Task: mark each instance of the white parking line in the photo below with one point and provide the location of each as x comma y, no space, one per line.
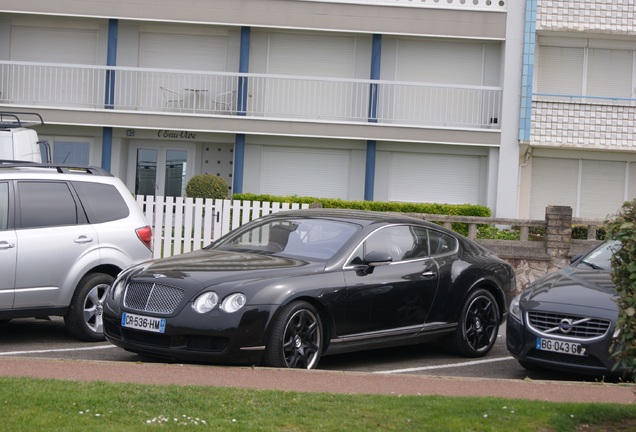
445,366
56,350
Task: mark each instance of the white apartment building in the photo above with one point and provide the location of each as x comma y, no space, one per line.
578,110
386,100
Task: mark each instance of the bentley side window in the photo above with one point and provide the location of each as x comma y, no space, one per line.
395,241
440,243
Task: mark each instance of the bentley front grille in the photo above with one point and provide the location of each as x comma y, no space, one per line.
577,327
152,297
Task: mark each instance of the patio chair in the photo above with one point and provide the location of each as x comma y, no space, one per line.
225,101
171,98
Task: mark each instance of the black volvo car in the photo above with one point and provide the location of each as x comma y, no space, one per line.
566,320
287,288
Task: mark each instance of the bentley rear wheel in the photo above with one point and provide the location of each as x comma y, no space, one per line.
478,325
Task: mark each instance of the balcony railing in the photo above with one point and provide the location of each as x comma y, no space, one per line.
254,95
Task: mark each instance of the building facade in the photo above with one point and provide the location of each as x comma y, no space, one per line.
578,115
386,100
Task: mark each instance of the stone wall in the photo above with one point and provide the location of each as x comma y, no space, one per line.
534,259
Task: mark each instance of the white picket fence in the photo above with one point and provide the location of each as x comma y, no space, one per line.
182,225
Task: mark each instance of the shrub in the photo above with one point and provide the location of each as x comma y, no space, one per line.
494,233
580,232
207,186
622,227
381,206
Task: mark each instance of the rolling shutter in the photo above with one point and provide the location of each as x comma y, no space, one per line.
560,70
439,63
609,73
554,182
322,173
631,182
60,86
310,56
184,52
602,188
452,179
180,51
49,45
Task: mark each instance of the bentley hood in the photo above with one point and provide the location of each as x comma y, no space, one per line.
211,267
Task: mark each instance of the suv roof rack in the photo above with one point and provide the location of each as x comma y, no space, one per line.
11,119
60,168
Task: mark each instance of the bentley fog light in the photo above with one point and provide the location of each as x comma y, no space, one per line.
233,302
205,302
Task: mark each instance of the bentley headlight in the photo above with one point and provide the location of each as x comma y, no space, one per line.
117,288
515,308
205,302
233,302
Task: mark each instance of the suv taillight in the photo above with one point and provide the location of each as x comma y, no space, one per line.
145,235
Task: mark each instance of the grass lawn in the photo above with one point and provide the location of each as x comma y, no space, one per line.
28,404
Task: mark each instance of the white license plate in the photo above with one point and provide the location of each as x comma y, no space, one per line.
140,322
572,348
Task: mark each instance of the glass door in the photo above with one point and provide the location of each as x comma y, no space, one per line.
161,170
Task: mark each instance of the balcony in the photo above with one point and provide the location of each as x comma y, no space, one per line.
583,122
253,96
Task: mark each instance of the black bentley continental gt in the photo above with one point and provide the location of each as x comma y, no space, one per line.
290,287
566,320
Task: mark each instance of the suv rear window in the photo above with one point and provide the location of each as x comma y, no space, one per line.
46,204
102,202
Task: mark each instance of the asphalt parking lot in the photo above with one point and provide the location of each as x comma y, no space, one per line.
37,338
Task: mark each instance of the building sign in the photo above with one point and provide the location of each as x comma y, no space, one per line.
176,134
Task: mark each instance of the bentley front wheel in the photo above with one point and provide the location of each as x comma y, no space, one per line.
296,338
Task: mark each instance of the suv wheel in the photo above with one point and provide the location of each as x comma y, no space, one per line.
84,316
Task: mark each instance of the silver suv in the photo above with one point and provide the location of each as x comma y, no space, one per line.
65,234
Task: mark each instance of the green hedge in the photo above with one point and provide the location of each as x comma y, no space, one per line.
401,207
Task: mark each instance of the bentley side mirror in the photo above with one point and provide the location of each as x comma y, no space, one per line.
375,259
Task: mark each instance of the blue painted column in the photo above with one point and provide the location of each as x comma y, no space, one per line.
239,157
244,67
107,147
369,175
239,140
111,60
376,61
109,100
